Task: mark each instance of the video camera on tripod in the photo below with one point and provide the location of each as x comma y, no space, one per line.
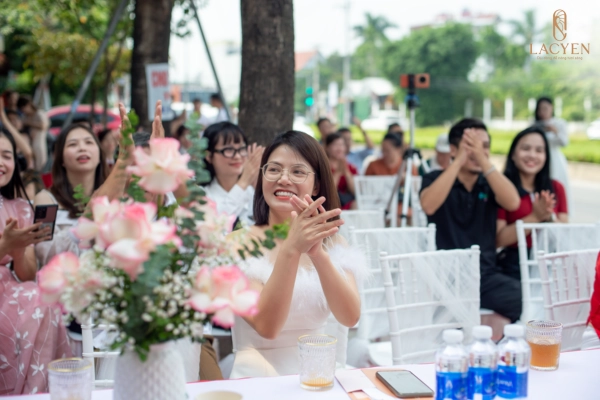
412,82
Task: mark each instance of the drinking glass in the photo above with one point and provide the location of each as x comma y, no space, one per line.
317,361
70,379
544,338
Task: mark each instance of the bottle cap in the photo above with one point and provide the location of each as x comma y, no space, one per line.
482,332
514,330
452,336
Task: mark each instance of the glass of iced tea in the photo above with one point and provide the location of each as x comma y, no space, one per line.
70,379
317,361
544,337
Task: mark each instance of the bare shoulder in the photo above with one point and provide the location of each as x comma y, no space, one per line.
339,240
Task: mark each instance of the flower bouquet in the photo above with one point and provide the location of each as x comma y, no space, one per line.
154,272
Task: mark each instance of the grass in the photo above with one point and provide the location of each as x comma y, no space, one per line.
580,148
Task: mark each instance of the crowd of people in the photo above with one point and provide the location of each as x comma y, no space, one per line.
307,276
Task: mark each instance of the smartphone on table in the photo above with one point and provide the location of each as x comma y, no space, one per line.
404,384
46,214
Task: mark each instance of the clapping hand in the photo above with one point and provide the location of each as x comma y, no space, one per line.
309,225
473,145
158,131
249,176
543,205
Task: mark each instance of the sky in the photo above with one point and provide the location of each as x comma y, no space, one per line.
320,25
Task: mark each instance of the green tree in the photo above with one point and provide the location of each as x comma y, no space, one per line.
500,51
447,53
365,60
526,30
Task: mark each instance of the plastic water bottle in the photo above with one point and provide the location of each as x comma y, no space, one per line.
513,364
451,365
483,364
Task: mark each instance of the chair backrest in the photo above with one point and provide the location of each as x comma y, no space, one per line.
373,322
549,238
88,351
373,193
431,292
419,218
567,283
361,219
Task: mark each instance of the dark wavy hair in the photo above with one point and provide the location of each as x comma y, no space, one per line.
457,131
14,188
309,149
537,106
542,180
61,187
231,133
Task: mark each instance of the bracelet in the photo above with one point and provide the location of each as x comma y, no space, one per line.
489,171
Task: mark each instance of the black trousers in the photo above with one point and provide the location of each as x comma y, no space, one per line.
500,287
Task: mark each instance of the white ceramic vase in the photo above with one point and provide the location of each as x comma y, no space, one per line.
161,377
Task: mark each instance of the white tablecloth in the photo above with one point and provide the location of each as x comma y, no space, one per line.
577,378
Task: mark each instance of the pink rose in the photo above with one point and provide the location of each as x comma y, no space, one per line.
87,230
164,169
224,292
53,277
131,235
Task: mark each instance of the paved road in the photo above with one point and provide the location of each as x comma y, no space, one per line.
586,201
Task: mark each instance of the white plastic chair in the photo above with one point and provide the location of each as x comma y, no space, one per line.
567,281
419,218
373,193
88,351
361,219
373,324
549,238
432,291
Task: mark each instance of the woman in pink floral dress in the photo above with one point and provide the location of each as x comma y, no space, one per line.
31,334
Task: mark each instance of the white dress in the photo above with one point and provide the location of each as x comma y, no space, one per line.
236,202
559,168
256,356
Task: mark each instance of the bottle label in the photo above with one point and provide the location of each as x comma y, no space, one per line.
451,385
482,381
511,384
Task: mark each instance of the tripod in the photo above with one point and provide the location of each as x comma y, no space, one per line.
412,101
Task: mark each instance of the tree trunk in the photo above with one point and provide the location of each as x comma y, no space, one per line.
267,84
151,37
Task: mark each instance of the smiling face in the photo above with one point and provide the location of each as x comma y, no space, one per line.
7,161
530,154
81,152
227,166
278,193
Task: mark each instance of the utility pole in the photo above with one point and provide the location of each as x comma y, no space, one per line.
346,95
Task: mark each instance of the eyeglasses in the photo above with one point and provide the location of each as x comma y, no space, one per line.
230,152
296,173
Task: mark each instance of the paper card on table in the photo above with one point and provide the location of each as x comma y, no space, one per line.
376,383
376,394
353,380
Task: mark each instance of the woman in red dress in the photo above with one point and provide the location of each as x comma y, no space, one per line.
343,172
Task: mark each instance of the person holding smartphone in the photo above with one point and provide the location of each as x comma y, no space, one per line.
31,334
78,160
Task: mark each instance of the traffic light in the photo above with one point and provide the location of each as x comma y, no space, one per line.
309,100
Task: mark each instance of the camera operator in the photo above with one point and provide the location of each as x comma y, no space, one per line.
463,202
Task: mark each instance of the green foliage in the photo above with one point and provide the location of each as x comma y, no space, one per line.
447,53
81,197
366,58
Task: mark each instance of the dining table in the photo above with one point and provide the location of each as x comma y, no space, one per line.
577,378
